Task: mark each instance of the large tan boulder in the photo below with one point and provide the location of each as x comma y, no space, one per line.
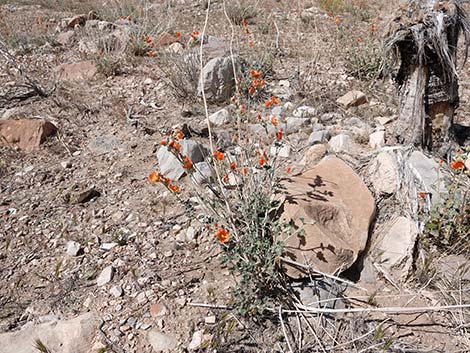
79,335
27,134
335,209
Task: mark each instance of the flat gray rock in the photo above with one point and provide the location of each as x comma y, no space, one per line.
160,341
77,335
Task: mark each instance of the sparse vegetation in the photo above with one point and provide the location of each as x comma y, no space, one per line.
201,259
240,10
448,224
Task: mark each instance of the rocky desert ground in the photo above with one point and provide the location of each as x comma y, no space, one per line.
223,176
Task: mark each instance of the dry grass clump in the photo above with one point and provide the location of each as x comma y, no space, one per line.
357,8
181,73
240,10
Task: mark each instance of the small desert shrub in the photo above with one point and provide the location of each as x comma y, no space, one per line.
255,67
448,223
358,8
242,212
39,33
239,11
181,73
109,65
363,59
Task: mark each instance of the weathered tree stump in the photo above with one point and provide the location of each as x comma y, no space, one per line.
423,38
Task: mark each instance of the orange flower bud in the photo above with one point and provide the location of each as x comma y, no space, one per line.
179,134
174,188
154,177
187,163
457,165
219,155
222,235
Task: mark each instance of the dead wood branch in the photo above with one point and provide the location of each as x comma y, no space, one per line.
26,88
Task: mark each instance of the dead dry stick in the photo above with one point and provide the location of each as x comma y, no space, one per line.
29,88
283,326
386,310
210,306
312,330
345,344
206,113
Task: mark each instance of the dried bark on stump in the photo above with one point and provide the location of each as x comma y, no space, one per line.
423,37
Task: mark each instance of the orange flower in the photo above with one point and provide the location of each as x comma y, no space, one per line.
194,34
163,142
222,235
245,171
178,35
251,90
174,188
288,170
251,44
261,82
179,134
275,100
422,195
244,23
219,155
148,40
262,162
225,178
457,165
154,177
166,180
151,53
274,120
259,117
247,31
177,146
188,164
441,162
279,134
268,103
338,19
255,74
233,165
